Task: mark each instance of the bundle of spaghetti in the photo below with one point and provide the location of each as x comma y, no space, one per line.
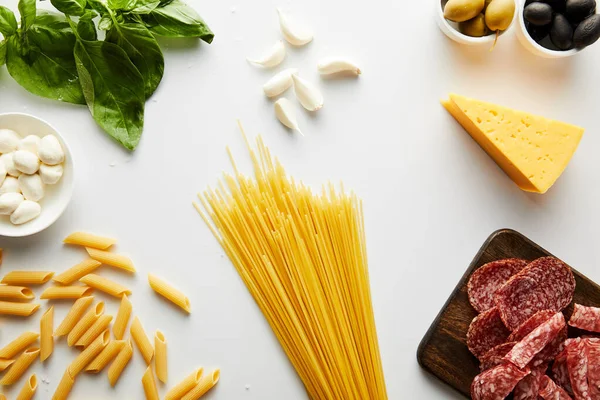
303,258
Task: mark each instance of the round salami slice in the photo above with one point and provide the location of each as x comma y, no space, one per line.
586,318
528,388
495,356
497,383
577,364
544,284
594,367
486,332
551,391
488,278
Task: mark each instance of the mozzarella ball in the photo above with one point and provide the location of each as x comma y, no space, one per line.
26,162
10,185
50,151
9,140
32,187
9,202
9,164
51,174
26,211
29,143
2,172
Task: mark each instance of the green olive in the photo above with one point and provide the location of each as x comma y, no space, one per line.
462,10
474,27
499,14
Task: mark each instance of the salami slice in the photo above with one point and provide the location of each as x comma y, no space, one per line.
486,332
594,367
525,350
488,278
551,391
497,383
560,372
495,356
528,388
552,349
533,322
586,318
544,284
577,364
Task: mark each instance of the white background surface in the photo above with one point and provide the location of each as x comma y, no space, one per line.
431,194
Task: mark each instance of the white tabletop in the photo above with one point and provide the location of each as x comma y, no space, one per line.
431,194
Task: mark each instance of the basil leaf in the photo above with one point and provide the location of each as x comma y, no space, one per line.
8,22
86,28
70,7
2,53
142,49
113,90
145,7
177,19
27,10
105,23
45,65
121,4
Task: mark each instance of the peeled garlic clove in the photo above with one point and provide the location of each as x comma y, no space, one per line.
10,185
26,211
9,140
307,94
30,143
273,58
280,82
9,164
284,110
50,151
292,32
32,187
336,66
26,162
9,202
51,174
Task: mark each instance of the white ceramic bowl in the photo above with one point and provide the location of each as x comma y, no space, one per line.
57,196
450,28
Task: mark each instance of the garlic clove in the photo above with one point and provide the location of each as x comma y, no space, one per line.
273,58
284,110
32,187
307,94
25,212
280,82
336,66
294,33
9,202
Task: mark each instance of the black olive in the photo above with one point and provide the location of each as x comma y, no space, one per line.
538,33
578,10
561,32
587,32
557,5
538,13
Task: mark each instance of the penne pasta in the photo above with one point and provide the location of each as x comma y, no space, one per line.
18,309
16,293
87,355
65,292
64,386
94,331
28,389
187,384
84,323
46,338
206,383
150,389
27,278
73,316
4,363
20,366
160,356
141,340
169,292
121,361
112,259
122,319
18,345
105,285
106,356
76,272
89,240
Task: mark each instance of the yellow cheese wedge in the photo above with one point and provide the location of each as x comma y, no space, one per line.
533,151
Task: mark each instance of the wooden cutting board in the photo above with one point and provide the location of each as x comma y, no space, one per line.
443,350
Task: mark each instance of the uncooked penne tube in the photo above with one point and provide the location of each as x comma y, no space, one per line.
87,355
187,384
28,389
94,331
112,259
122,319
64,386
4,363
206,383
117,366
160,356
149,384
20,366
141,340
84,323
108,354
76,272
15,293
18,345
169,292
74,315
18,309
105,285
66,292
89,240
46,338
27,278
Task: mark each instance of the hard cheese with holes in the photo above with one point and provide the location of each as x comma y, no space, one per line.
532,150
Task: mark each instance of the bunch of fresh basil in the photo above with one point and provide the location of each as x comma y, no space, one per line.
54,56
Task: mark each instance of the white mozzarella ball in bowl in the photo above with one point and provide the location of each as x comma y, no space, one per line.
30,143
50,151
26,162
51,174
9,202
9,140
26,211
10,185
32,187
9,163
